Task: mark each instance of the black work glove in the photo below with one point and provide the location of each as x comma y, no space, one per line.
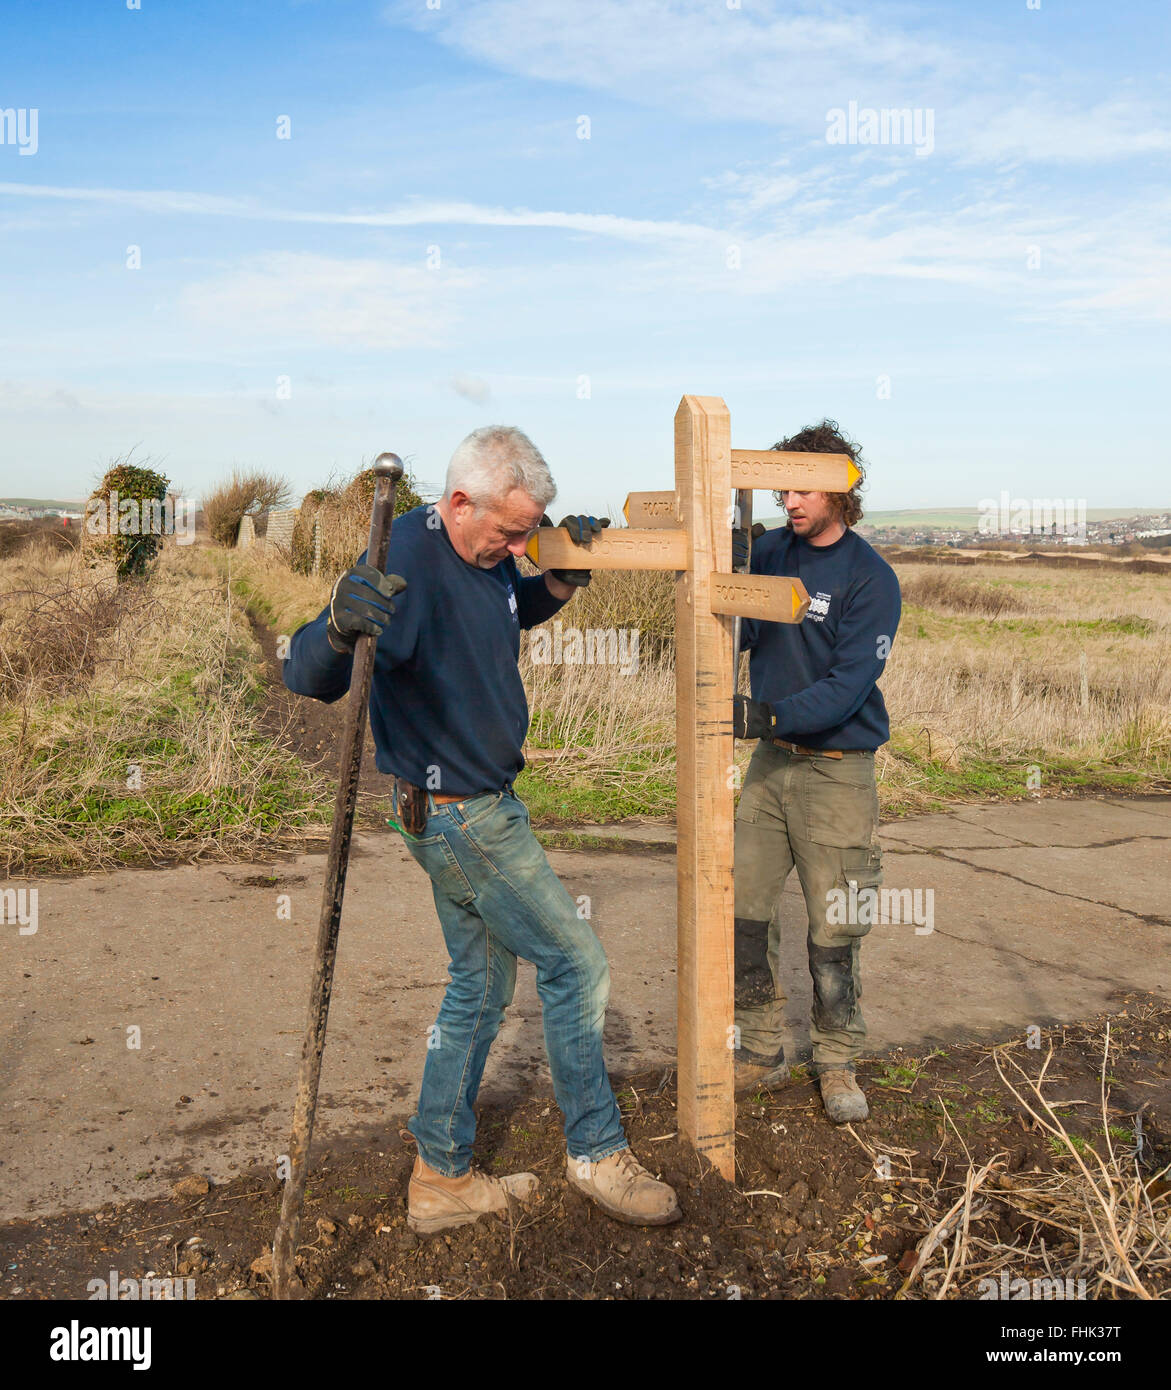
361,602
740,548
752,718
582,529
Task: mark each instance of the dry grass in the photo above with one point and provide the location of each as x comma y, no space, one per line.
1071,668
129,725
1122,1241
949,593
991,675
59,620
594,722
1100,1216
274,594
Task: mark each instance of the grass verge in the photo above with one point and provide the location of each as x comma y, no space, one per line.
137,740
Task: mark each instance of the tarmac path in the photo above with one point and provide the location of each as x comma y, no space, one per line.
1042,912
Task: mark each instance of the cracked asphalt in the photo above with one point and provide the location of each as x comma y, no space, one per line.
1043,912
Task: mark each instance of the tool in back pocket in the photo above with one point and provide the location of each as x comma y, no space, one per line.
410,807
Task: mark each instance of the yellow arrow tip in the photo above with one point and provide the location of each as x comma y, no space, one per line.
796,604
852,475
533,548
626,510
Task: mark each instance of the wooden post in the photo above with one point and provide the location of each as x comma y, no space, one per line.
703,731
690,531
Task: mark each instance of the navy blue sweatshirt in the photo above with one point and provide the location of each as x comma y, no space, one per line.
447,707
819,675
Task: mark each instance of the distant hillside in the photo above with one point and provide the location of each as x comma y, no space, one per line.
42,502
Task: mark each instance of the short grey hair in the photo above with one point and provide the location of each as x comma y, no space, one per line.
492,461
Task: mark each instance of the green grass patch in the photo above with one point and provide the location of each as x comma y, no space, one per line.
923,784
553,800
932,625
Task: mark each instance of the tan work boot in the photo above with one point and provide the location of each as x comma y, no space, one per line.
623,1188
753,1073
842,1096
435,1202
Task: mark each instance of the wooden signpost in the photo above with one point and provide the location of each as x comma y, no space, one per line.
689,531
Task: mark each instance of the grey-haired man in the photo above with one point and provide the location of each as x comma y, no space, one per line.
449,716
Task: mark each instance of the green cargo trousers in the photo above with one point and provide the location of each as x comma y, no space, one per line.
820,814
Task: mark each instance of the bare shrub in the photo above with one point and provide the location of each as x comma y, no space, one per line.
56,627
245,493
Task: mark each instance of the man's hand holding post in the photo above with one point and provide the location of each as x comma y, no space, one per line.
582,530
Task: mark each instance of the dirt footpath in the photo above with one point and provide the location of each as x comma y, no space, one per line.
153,1020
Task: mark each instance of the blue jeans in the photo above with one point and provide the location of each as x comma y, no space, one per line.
497,899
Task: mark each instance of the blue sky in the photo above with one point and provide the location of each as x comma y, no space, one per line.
1011,279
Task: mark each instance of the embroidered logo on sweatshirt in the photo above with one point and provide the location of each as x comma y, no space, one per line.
512,604
819,607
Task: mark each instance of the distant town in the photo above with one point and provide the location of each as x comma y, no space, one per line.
1038,527
29,509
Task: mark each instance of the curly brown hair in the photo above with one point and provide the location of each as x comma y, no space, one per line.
827,438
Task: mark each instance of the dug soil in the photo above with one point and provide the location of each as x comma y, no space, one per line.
815,1212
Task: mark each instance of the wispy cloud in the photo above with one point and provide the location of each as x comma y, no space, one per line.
787,65
788,229
755,62
1062,133
414,214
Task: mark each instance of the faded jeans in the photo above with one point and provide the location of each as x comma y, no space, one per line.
498,899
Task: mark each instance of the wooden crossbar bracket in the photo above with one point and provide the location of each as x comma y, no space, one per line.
651,510
621,549
773,597
778,469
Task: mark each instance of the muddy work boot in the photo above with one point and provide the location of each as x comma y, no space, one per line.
755,1073
435,1202
623,1188
842,1096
